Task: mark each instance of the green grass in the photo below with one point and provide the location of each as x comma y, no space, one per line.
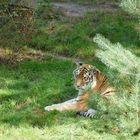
75,39
28,86
74,130
34,85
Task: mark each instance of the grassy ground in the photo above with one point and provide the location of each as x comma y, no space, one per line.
74,38
27,87
89,1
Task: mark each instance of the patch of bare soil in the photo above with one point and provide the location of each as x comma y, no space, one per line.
38,112
19,54
79,10
23,104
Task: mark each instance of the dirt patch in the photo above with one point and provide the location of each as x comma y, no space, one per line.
23,104
19,54
79,10
38,112
16,55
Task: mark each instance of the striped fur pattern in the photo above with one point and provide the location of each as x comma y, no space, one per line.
88,80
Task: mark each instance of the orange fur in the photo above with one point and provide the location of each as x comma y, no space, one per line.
100,85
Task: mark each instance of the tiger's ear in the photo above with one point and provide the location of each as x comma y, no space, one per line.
93,69
79,63
97,73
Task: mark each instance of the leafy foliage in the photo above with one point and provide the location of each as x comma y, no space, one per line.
116,57
126,63
131,6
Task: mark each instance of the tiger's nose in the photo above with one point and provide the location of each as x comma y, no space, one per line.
78,86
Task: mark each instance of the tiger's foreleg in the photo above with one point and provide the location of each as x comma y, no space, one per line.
69,105
75,105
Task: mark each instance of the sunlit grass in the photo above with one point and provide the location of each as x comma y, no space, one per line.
75,131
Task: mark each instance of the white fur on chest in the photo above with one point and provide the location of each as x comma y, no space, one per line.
94,83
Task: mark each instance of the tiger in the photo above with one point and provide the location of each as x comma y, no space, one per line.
87,80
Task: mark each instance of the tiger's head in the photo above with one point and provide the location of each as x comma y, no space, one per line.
85,76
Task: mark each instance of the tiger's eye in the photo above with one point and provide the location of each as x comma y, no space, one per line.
86,79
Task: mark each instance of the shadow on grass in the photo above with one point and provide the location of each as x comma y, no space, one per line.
23,96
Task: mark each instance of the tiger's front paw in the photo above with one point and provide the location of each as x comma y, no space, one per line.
49,108
89,113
